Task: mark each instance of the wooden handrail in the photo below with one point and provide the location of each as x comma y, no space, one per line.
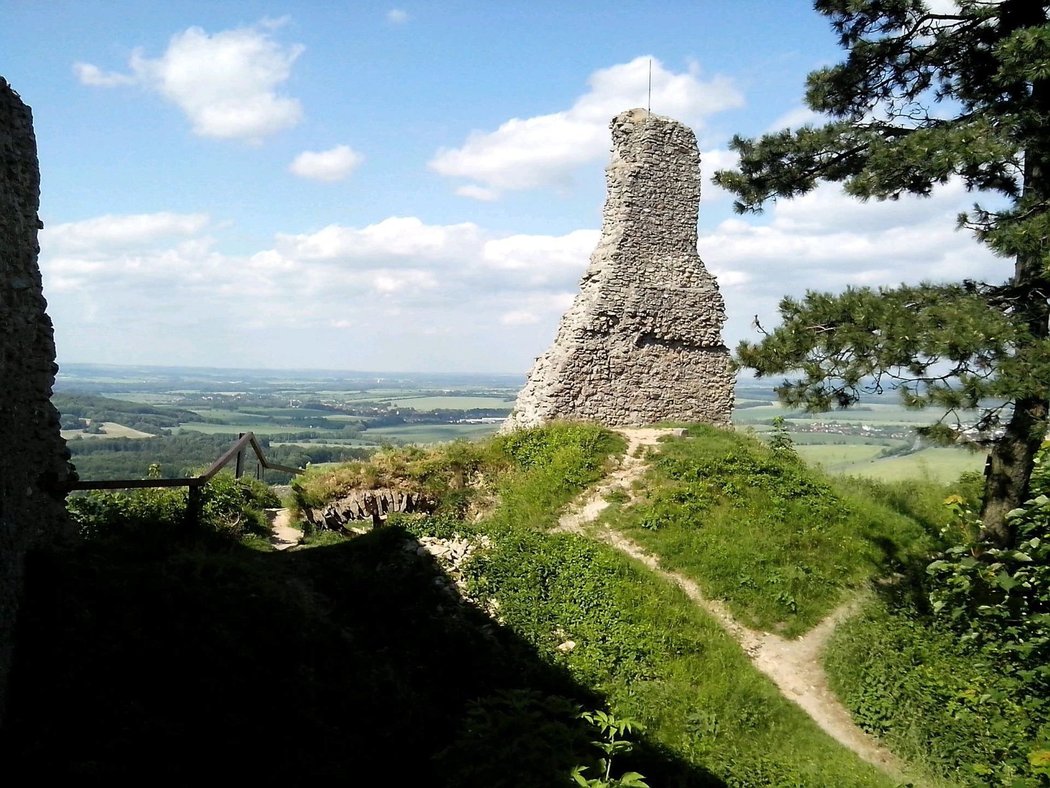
193,482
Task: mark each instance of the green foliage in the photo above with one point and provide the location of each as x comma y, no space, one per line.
779,438
613,741
954,666
230,507
235,506
182,454
934,700
754,526
99,514
997,599
920,99
907,336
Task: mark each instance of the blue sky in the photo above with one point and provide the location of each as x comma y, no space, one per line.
406,187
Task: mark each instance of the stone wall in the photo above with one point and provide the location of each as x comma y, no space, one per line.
371,505
642,342
34,462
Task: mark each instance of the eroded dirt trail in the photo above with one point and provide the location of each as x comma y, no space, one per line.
284,535
795,666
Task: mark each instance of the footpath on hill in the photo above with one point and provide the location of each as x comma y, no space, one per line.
795,666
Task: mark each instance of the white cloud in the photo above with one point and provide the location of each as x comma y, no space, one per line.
226,83
120,232
476,192
545,150
942,6
327,165
519,317
544,261
408,284
446,296
796,118
393,240
96,77
396,16
827,241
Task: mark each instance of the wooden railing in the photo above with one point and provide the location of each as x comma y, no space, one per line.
194,483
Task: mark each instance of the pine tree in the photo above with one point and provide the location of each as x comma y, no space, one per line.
922,98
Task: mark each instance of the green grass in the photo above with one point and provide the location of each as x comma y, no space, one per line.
660,660
759,529
379,675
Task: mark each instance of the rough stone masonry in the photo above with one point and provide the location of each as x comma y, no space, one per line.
34,462
642,342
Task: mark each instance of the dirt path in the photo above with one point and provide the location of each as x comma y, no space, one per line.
795,666
284,535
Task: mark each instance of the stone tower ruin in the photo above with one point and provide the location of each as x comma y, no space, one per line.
642,342
34,462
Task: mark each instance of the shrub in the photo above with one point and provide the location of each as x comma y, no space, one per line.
229,506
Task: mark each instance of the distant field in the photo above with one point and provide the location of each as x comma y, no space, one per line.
939,464
448,403
259,428
430,433
110,429
838,458
825,438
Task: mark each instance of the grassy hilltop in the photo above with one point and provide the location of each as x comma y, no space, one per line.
146,650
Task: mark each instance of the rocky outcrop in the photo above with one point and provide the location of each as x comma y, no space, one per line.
642,342
34,462
372,505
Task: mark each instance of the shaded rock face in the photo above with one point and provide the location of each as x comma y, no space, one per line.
373,505
34,462
642,342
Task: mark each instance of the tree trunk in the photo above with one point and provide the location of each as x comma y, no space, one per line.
1012,458
1010,468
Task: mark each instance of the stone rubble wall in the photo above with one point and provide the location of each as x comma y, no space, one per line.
372,505
642,342
34,461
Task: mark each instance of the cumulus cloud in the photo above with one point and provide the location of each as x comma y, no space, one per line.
544,150
408,283
327,165
398,239
449,296
396,16
827,241
121,232
226,83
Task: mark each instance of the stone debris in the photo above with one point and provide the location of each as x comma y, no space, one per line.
374,505
451,556
642,342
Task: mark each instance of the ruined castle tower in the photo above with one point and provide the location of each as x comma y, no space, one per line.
34,462
642,342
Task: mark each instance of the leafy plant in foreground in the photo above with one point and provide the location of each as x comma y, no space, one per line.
613,742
